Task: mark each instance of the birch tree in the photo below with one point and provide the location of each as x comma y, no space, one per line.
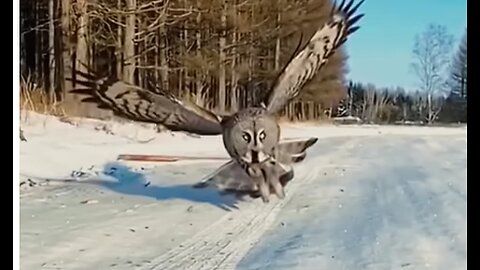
431,53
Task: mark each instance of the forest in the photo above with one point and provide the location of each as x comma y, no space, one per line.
220,54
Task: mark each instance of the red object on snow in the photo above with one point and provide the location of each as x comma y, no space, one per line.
165,158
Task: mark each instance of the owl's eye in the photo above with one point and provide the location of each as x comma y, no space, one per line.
262,135
246,137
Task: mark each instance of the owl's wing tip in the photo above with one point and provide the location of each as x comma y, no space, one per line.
312,141
202,184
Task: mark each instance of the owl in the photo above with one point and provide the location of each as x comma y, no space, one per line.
261,164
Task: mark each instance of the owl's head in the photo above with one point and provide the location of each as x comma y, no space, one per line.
251,136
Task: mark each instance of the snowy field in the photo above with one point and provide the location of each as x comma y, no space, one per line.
366,197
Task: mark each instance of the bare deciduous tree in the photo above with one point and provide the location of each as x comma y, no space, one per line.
431,55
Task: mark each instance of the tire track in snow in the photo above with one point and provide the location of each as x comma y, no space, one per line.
224,243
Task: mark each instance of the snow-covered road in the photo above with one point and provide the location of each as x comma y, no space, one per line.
394,202
365,198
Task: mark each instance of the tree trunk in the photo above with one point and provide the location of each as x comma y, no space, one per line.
82,48
251,67
118,49
291,111
186,70
429,108
234,79
350,103
311,110
198,76
23,49
129,45
221,77
142,74
181,51
84,59
156,62
66,70
51,48
163,58
39,43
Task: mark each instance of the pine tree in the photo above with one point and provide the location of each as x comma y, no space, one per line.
458,76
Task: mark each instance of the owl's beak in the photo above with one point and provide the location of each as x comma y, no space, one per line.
255,157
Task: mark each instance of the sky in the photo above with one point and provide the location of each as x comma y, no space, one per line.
380,52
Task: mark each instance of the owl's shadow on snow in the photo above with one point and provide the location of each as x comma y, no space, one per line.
130,182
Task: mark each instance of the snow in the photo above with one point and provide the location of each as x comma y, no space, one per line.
366,197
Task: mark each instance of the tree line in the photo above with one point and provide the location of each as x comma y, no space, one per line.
441,93
218,53
379,105
222,54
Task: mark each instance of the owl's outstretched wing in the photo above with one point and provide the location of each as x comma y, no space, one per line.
132,102
314,55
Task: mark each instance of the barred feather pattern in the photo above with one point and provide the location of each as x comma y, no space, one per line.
143,105
246,173
306,64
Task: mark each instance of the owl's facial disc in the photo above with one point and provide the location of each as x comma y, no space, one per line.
255,154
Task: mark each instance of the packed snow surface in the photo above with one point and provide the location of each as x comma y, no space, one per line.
366,197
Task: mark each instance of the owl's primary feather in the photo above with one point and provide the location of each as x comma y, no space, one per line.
139,104
305,65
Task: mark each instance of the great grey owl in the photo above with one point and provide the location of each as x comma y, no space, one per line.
260,163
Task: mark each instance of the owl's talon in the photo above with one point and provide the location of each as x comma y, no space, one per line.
265,199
